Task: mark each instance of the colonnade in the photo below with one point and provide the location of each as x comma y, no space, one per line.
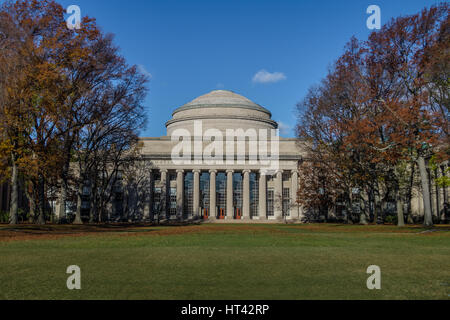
229,214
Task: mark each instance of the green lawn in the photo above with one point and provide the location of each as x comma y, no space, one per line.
225,262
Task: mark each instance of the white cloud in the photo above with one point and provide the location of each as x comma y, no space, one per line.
285,129
264,76
144,71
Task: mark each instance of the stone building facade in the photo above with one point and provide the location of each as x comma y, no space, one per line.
233,185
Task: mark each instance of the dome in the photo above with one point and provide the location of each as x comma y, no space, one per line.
221,109
222,98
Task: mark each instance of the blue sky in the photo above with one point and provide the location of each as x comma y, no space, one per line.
193,47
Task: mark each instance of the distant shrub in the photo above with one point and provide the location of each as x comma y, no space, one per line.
4,217
391,220
22,215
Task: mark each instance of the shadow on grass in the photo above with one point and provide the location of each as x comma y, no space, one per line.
417,227
49,231
54,229
373,228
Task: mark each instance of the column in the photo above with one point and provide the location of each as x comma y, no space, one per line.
196,192
262,195
230,208
278,195
212,194
294,189
246,195
180,193
164,196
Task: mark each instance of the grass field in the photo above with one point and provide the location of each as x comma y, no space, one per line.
258,262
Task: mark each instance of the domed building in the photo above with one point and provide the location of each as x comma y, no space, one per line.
222,110
222,160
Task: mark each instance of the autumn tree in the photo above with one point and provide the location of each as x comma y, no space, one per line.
59,81
409,47
378,114
15,123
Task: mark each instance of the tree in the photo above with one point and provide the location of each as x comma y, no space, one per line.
106,144
136,186
375,112
14,110
408,49
55,83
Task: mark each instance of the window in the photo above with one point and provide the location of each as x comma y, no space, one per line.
221,188
254,194
204,190
286,202
237,191
189,194
173,202
157,199
270,202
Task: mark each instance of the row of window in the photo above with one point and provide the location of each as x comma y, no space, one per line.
173,176
221,199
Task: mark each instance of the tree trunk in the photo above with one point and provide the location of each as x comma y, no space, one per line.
362,216
382,214
438,198
61,210
409,195
31,203
100,212
79,201
41,192
400,216
93,201
375,207
428,218
91,214
64,177
14,206
350,206
64,183
92,207
444,187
